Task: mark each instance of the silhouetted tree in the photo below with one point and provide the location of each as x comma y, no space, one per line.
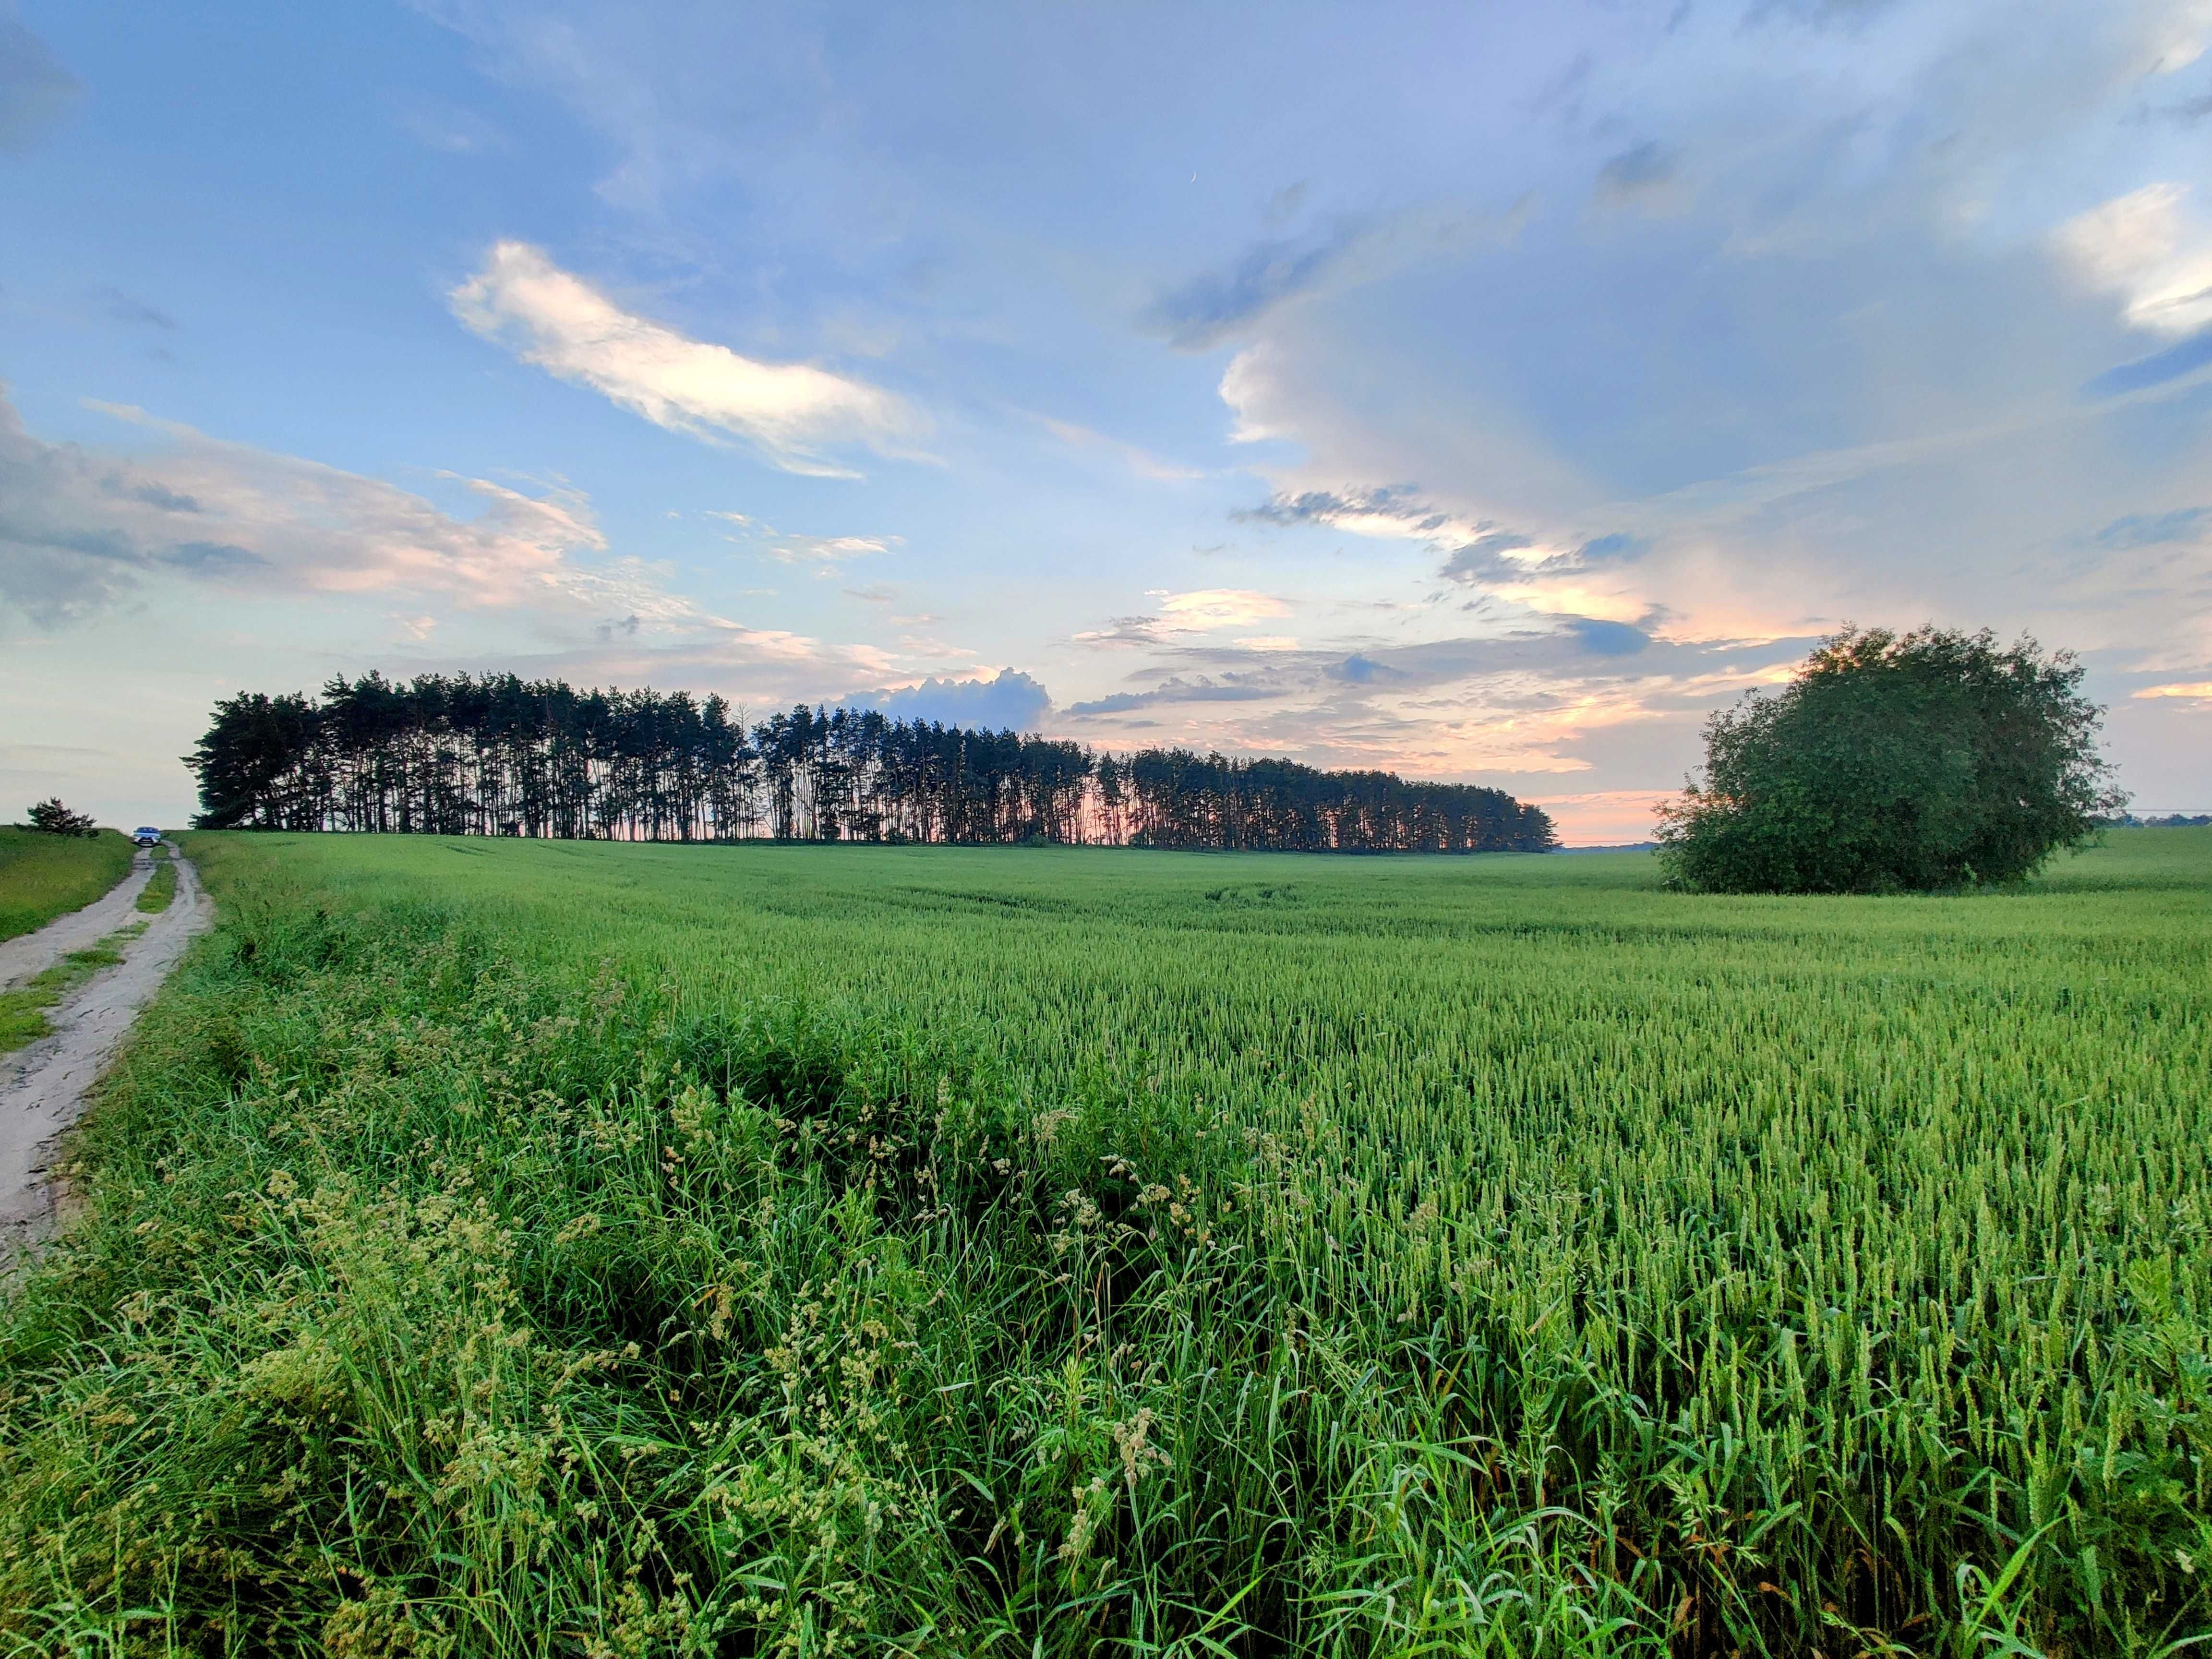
499,755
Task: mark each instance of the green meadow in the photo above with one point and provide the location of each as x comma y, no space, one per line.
42,876
524,1248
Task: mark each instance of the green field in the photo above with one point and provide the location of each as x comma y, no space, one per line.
555,1248
42,876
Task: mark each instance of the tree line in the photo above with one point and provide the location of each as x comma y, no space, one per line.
495,755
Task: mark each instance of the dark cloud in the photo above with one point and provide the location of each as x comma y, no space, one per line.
1210,306
1176,690
35,90
122,308
2185,524
1325,507
1356,670
1009,700
2156,370
1617,549
1483,559
1607,639
1635,171
1125,630
156,493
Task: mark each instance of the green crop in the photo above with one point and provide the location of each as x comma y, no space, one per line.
497,1248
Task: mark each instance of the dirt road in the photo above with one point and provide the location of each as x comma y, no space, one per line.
43,1087
29,953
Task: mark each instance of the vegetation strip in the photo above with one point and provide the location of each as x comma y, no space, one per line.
656,1250
160,887
23,1011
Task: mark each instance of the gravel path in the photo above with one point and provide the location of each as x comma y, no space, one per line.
43,1087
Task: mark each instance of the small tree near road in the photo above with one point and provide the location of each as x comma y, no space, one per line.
1927,760
56,819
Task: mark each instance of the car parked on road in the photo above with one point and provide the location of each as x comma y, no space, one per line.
147,835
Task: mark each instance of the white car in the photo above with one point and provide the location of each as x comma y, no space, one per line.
147,835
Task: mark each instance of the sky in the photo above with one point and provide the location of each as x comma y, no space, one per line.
1488,392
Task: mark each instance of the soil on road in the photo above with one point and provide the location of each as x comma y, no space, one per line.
43,1087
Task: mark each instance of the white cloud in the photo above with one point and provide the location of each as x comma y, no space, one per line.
80,529
2194,691
1219,607
2144,248
790,412
809,548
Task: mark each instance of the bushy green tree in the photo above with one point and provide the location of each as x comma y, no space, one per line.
56,819
1925,760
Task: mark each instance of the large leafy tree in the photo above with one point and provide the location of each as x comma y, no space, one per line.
1918,760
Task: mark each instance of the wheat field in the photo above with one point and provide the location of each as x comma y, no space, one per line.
505,1247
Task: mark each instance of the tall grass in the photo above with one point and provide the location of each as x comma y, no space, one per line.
42,876
512,1248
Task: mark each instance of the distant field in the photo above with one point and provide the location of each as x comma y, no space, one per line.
521,1247
42,876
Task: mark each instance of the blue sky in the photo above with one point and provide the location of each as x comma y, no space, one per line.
1487,392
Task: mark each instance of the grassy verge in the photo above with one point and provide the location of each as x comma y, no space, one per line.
22,1010
42,876
161,886
497,1249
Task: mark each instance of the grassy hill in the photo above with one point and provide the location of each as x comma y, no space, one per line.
504,1248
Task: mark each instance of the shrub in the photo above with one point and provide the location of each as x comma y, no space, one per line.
56,819
1921,761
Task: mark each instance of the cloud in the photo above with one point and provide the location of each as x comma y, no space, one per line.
2186,524
2141,247
1009,700
81,531
1478,551
1212,305
1172,691
1637,173
2194,691
1219,607
1607,639
35,90
1219,305
817,548
2171,364
1383,510
121,307
790,413
1181,615
1617,548
1484,559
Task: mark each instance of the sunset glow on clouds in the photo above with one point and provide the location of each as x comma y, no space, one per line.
1488,396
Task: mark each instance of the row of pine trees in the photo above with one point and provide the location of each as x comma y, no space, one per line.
495,755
